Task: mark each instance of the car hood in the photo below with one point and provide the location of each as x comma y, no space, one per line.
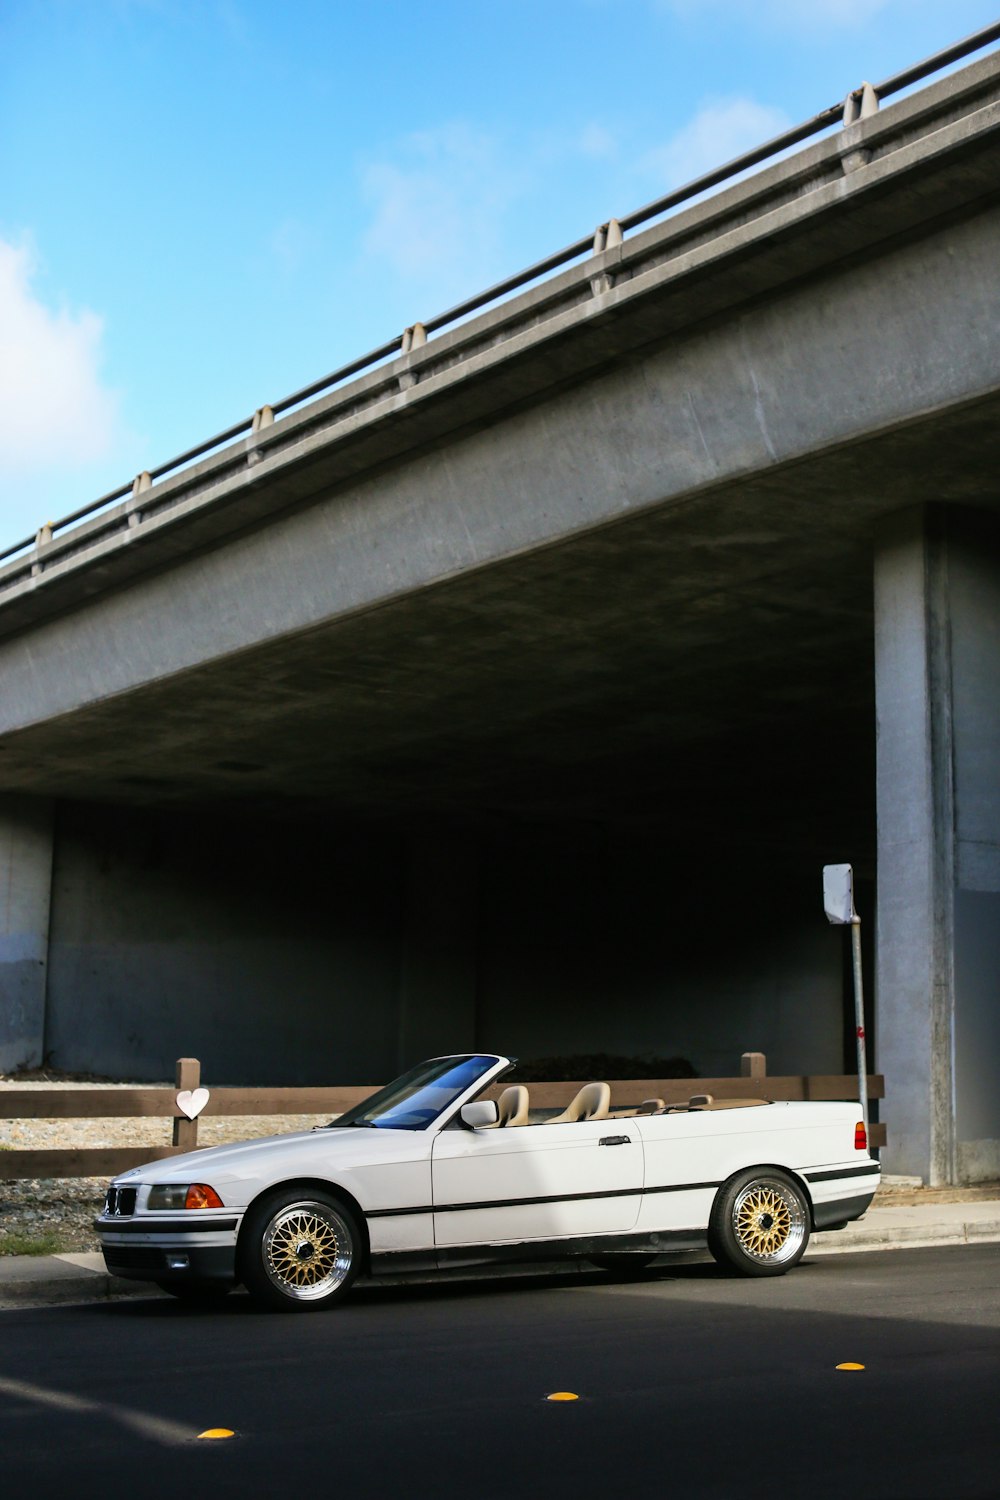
309,1150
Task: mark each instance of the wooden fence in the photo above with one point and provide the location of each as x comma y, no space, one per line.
144,1103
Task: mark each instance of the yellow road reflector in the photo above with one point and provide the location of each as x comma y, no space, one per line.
217,1432
562,1396
850,1367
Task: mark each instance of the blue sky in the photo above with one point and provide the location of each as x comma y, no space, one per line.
206,204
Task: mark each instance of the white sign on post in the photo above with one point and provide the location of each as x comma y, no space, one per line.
838,895
838,903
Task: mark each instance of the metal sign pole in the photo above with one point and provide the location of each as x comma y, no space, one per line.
859,1020
838,902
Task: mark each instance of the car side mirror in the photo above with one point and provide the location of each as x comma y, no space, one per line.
480,1113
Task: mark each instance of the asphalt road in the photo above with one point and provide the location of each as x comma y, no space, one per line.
689,1384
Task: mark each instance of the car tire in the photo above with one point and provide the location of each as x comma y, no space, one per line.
759,1224
622,1262
299,1250
197,1293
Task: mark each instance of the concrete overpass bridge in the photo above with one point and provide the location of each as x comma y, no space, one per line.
515,691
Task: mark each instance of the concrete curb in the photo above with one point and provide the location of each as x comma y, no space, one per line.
915,1225
905,1237
42,1281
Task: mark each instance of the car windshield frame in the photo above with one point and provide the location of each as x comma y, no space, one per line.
418,1098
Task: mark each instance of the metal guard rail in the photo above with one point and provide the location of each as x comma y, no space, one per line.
860,103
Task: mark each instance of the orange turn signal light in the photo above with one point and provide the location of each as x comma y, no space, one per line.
200,1195
860,1137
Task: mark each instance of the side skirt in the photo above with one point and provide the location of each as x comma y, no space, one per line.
665,1242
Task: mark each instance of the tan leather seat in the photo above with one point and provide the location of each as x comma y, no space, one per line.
647,1107
513,1106
593,1102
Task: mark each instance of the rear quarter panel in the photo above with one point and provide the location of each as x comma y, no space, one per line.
688,1156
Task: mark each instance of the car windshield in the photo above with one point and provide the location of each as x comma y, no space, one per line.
413,1101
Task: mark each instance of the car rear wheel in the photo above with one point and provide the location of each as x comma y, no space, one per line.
760,1223
299,1250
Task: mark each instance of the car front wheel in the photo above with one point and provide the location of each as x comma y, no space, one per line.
299,1250
760,1223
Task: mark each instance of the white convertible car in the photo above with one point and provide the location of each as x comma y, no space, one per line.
426,1174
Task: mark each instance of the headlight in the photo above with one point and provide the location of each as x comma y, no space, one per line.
183,1195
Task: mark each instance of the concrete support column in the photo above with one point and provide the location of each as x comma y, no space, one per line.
25,893
937,661
438,968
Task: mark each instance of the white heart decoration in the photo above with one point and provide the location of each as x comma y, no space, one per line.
191,1102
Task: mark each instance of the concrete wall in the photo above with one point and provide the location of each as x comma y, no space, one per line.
293,955
974,585
635,946
937,597
25,880
439,947
271,954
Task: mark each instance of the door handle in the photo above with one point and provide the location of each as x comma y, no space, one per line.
614,1140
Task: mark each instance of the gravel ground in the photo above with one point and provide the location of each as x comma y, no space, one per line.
66,1207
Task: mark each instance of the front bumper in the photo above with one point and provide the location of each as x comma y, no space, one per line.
148,1248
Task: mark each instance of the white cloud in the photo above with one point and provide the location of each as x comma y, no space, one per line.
55,413
722,129
438,209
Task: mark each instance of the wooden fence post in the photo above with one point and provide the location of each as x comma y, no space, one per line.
188,1076
753,1065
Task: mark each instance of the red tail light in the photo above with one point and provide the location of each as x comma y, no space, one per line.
860,1137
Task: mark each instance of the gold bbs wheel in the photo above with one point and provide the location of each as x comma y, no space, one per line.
760,1224
300,1251
765,1220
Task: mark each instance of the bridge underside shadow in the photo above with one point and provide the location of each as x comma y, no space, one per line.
577,802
